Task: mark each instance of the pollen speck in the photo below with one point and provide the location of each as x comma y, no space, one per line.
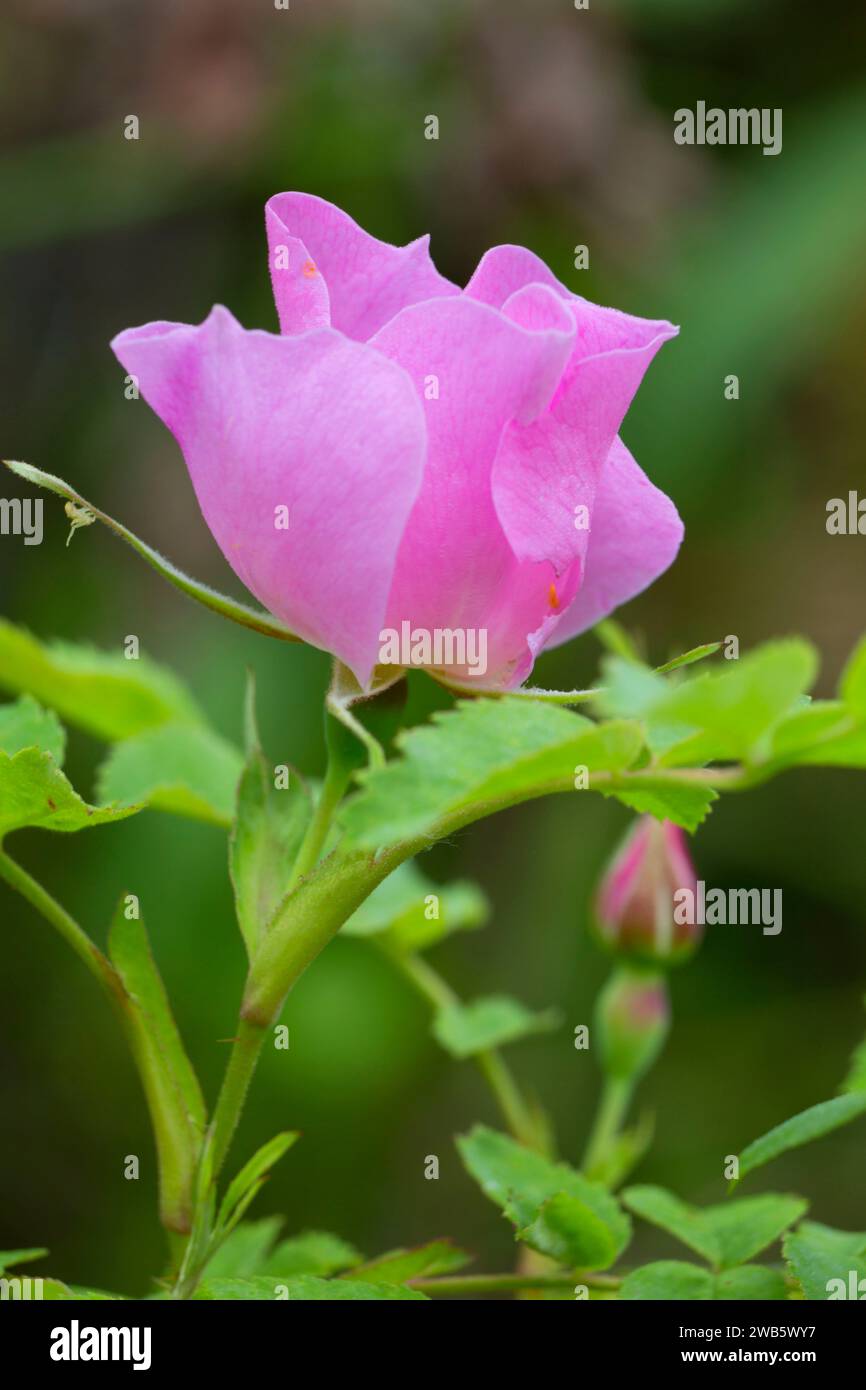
554,597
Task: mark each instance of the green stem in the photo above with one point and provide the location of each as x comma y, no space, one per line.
175,1146
497,1073
455,1285
245,1052
74,935
612,1108
333,788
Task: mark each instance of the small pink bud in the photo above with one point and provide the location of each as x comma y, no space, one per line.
632,1019
634,903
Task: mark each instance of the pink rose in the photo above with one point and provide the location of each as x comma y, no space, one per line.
412,470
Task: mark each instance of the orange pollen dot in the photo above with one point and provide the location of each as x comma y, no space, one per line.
309,268
554,597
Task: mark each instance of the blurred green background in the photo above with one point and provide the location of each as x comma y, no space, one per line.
556,128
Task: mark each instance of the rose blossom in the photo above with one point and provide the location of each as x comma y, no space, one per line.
440,460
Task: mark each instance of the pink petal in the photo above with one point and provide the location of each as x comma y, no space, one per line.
636,533
316,423
455,567
367,281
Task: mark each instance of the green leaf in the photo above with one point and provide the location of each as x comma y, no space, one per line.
745,1227
817,1254
304,1288
630,690
668,1280
312,1252
186,770
245,1251
268,829
24,724
856,1078
8,1258
810,1124
690,657
675,1280
685,803
202,593
171,1087
685,1223
753,1282
852,685
55,1291
424,1261
583,1227
34,792
252,1174
101,692
397,910
467,1029
725,1235
482,755
740,705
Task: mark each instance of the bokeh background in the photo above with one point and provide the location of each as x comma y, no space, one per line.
556,128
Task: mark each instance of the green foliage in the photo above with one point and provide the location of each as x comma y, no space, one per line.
678,1281
724,1235
267,832
554,1208
171,1087
464,1030
801,1129
817,1254
103,693
249,1181
244,1252
482,755
311,1252
8,1258
724,714
423,1262
188,770
396,912
304,1288
33,789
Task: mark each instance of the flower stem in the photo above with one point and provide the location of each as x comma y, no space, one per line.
333,787
613,1105
498,1075
246,1048
74,935
454,1285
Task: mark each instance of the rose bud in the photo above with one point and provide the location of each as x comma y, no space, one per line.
631,1022
634,904
411,473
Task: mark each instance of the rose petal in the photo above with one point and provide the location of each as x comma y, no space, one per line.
475,370
368,281
636,533
317,423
